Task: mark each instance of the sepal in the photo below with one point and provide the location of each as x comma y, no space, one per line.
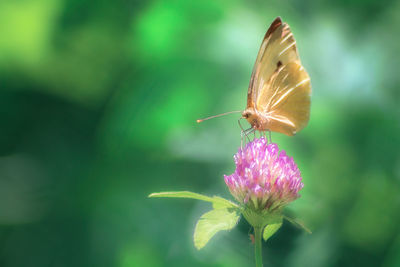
261,218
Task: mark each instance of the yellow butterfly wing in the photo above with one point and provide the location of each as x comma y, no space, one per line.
278,48
285,99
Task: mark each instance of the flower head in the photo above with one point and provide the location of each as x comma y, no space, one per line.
264,179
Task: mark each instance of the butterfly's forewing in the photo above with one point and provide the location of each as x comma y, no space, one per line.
278,48
285,99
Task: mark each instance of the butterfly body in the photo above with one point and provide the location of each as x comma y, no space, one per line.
278,97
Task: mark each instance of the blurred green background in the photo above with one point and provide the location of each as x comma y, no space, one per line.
98,102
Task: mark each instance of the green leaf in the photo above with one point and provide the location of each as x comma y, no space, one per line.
222,203
271,229
224,216
218,202
182,194
297,223
212,222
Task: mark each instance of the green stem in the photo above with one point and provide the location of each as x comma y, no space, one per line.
258,245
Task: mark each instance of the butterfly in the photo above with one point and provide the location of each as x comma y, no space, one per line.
278,97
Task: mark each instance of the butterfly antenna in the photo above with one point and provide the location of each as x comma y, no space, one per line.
219,115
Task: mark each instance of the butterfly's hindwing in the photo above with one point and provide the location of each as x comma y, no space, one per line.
287,100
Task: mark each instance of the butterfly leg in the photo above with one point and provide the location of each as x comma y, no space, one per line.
247,132
270,136
243,133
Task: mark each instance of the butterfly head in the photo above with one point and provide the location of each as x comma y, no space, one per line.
256,120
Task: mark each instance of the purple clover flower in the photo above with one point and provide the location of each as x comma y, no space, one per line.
264,179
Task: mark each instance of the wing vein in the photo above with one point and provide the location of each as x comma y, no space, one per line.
287,37
289,46
289,91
